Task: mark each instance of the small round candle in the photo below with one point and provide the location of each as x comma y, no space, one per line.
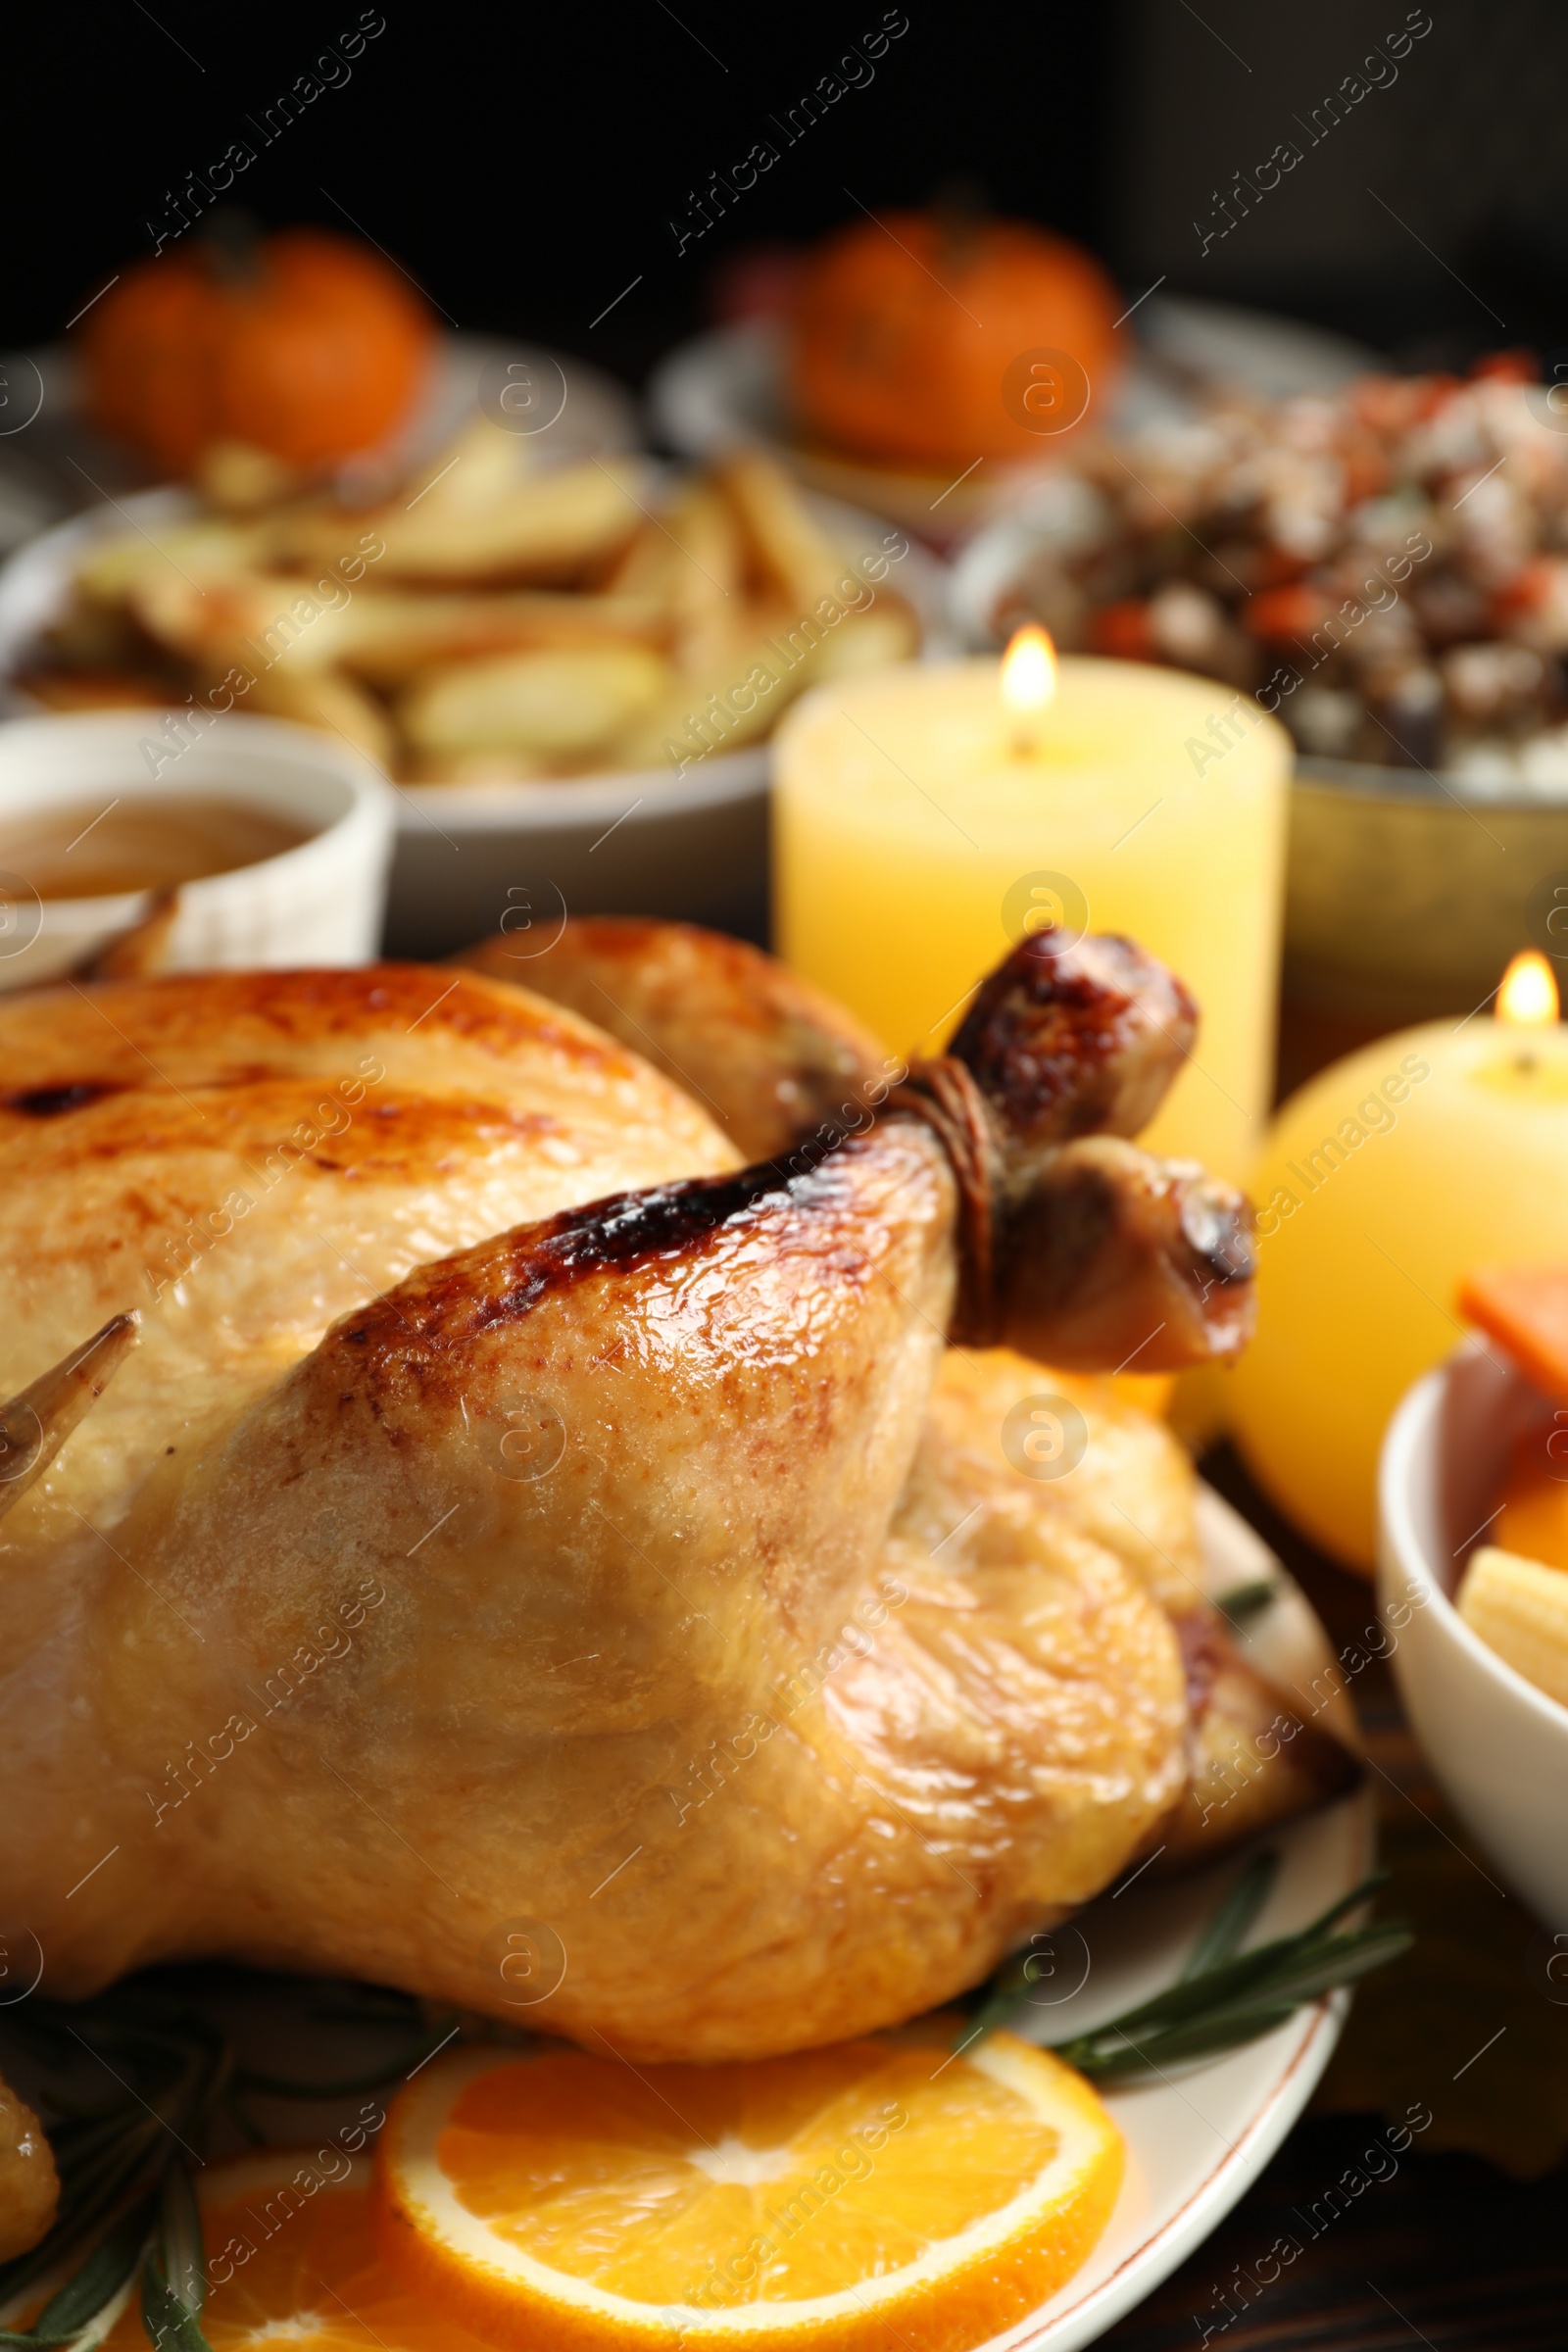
1384,1181
924,823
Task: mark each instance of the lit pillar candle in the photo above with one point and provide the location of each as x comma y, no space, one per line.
927,818
1386,1179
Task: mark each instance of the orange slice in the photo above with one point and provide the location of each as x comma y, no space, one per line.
291,2260
849,2199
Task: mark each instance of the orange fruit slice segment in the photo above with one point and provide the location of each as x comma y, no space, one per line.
291,2260
855,2198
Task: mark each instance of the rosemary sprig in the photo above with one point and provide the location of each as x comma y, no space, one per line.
1246,1600
1227,1930
1224,1997
128,2214
106,2273
174,2271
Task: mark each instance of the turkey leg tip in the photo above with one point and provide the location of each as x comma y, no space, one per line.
1077,1247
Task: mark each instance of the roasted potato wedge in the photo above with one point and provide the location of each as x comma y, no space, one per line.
646,566
395,632
736,702
868,639
549,530
482,463
325,698
558,705
254,618
193,552
795,557
707,588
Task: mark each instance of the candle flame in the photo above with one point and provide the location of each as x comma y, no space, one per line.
1528,996
1029,670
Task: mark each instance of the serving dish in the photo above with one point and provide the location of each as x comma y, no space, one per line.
724,387
1405,897
320,902
1498,1746
56,463
691,846
469,857
1411,879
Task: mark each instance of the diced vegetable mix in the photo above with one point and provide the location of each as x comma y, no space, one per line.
1386,568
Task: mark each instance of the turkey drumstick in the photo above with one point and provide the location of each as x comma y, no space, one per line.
1087,1256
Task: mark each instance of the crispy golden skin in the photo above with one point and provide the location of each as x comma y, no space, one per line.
579,1619
1253,1758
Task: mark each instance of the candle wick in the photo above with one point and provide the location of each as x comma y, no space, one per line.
1524,1062
1024,746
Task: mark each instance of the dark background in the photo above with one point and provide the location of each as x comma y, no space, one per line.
524,165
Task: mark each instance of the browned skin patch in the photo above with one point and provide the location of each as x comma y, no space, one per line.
767,1055
1106,1253
51,1101
671,1225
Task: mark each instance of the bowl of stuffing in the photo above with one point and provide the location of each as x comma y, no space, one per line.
1386,570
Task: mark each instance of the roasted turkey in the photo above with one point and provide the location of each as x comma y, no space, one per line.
470,1529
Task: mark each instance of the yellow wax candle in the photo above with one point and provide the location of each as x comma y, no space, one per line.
922,827
1384,1181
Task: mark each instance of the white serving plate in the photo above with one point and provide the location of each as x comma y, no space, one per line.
726,387
645,842
53,463
1198,2140
1194,2142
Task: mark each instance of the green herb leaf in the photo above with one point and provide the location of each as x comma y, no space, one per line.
126,2202
170,2325
1232,1923
1246,1600
1142,2043
1223,1997
103,2275
90,2193
178,2247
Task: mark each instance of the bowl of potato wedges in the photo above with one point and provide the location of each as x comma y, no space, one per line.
570,670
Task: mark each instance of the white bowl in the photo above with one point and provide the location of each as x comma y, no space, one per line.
1498,1746
318,904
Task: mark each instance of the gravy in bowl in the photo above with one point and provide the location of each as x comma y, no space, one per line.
108,847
